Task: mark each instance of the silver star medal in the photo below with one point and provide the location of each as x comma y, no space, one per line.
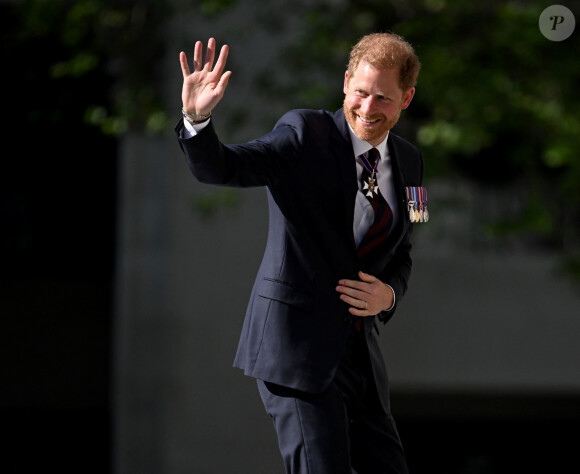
411,210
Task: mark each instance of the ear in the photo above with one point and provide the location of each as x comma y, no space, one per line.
345,86
407,98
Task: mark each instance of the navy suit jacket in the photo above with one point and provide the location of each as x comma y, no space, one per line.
295,326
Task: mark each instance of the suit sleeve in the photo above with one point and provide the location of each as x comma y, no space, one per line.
397,274
260,162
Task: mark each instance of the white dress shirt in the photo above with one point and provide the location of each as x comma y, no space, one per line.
363,211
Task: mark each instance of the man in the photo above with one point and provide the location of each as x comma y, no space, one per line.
337,256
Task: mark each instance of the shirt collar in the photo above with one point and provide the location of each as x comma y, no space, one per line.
360,146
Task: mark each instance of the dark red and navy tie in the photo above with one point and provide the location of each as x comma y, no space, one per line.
383,220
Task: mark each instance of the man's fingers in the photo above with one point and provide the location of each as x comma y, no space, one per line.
356,298
350,290
197,56
209,55
367,277
221,87
365,297
354,284
359,303
221,61
184,65
209,58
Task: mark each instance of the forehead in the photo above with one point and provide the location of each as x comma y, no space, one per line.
368,74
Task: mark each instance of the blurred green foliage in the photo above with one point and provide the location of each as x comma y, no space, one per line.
212,8
496,102
120,41
504,110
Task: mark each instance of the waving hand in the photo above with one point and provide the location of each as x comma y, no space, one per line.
204,87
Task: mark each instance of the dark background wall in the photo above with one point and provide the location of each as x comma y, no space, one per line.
117,339
57,254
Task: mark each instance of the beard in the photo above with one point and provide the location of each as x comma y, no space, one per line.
370,134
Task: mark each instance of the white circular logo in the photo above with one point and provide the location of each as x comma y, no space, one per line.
557,22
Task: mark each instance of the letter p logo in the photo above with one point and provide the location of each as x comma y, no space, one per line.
556,19
557,23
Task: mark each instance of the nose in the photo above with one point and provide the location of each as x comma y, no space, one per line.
367,105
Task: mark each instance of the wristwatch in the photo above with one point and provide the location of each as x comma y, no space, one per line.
194,118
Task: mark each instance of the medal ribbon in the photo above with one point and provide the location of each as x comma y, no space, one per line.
417,194
367,165
411,195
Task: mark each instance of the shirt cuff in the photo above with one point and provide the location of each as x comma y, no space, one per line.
192,130
394,298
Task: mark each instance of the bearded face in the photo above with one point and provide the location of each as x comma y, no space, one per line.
373,101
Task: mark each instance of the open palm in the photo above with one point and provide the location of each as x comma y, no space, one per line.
205,86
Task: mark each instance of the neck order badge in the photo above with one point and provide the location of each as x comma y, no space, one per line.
370,162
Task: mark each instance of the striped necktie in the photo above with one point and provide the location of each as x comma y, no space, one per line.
383,220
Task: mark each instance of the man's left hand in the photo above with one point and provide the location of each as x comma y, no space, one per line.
367,296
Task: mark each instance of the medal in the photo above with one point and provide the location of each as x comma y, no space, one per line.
371,185
417,203
423,194
412,211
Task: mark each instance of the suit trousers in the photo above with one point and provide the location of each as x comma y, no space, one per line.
344,429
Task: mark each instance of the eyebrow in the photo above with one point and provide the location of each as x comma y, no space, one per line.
381,93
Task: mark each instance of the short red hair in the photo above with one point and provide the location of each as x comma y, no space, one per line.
386,51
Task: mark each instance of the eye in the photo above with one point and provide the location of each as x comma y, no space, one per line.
360,93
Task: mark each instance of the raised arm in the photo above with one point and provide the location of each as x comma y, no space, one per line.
205,86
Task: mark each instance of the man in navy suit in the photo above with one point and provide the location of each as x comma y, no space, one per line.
335,262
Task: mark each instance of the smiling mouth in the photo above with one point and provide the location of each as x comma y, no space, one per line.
367,121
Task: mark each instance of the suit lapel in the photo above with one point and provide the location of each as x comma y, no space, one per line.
398,182
343,151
